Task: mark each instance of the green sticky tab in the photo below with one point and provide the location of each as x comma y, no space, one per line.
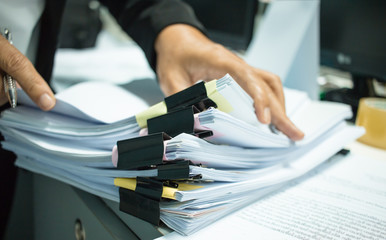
154,111
212,93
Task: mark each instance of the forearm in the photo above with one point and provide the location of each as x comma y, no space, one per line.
143,20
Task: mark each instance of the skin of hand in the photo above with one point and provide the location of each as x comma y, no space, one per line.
22,70
185,55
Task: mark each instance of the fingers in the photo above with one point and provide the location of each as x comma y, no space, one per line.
261,101
21,69
283,123
194,57
274,82
270,110
268,98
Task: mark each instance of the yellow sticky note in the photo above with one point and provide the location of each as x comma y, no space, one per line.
128,183
222,104
167,192
188,187
154,111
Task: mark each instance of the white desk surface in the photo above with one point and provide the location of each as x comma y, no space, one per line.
366,150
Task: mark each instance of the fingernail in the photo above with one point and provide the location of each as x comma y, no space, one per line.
267,115
46,102
299,136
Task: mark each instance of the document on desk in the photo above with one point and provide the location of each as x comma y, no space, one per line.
313,118
77,123
99,114
212,200
345,198
242,161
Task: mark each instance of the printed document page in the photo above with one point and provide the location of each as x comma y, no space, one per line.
343,199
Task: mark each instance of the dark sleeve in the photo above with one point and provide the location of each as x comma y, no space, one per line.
143,20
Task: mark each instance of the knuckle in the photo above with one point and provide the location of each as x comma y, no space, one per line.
280,119
276,79
34,86
15,63
31,88
259,91
260,100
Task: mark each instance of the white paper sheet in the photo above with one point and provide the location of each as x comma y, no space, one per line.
94,102
344,199
85,145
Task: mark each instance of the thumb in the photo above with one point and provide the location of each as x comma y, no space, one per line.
18,66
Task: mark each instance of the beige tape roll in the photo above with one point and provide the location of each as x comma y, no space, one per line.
372,116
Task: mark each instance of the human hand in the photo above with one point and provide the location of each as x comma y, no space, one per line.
21,69
185,55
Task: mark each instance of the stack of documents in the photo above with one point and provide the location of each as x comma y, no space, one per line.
238,162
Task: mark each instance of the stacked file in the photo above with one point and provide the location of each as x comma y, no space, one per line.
187,161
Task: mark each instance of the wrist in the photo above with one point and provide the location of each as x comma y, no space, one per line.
177,36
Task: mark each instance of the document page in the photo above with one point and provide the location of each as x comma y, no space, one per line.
92,101
343,199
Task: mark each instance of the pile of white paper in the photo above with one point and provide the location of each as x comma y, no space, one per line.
242,161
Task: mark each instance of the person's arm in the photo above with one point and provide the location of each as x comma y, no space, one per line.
176,48
185,55
143,20
22,70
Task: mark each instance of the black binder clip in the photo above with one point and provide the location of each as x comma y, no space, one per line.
174,123
144,201
173,170
147,152
140,152
195,95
